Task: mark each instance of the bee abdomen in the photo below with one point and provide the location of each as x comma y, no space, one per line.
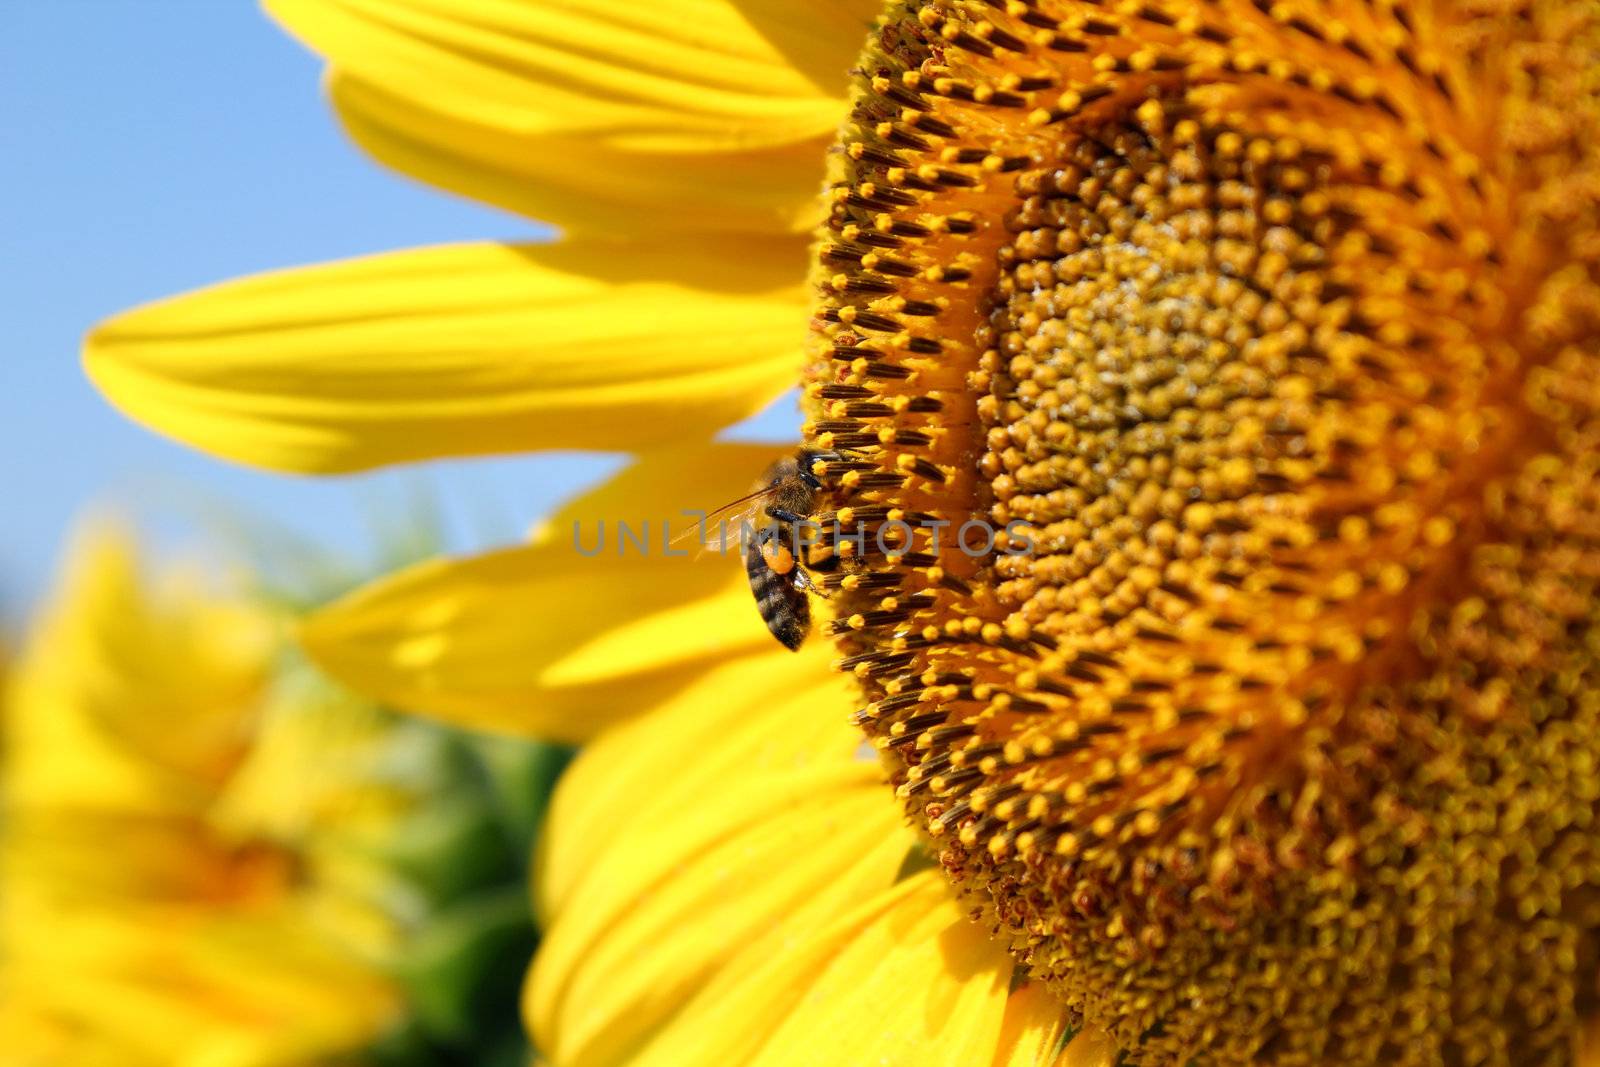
785,609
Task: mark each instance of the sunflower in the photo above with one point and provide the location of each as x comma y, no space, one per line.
209,858
1258,340
180,873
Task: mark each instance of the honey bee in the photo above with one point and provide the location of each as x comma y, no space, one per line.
781,584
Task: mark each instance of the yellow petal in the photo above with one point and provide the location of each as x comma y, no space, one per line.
1090,1048
544,639
696,841
190,989
763,713
464,350
921,987
674,900
693,873
740,1006
1035,1023
588,113
1035,1034
902,979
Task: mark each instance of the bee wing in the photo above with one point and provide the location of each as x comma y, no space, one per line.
723,529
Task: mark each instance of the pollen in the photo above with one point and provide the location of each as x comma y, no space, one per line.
1231,371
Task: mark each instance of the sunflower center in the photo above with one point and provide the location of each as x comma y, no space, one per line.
1218,388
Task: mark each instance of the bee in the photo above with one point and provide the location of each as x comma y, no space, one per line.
781,584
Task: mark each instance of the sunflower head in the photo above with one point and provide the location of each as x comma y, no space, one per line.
209,855
1259,343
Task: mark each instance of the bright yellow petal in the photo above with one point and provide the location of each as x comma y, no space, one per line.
673,900
464,350
899,978
923,986
694,871
1090,1048
1034,1026
480,642
1035,1034
737,1011
581,182
544,639
692,844
787,711
592,114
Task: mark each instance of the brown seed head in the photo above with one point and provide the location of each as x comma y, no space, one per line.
1272,331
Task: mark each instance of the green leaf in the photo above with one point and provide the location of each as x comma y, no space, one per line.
452,846
521,776
465,968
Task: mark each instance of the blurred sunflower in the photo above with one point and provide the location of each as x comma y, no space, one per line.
1274,325
210,859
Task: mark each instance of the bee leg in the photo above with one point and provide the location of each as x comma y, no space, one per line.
802,581
785,515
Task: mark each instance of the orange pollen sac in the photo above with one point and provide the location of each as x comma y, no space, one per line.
1228,373
777,557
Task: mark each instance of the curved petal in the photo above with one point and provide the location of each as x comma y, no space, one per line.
687,848
545,639
1035,1028
464,350
900,978
596,105
1035,1034
788,712
921,986
704,870
1089,1048
675,900
581,183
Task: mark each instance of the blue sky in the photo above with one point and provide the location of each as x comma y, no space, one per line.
153,146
